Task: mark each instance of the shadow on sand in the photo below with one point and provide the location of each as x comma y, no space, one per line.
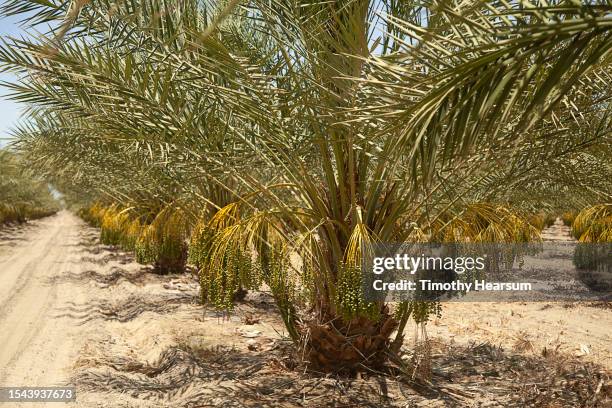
478,375
114,277
126,309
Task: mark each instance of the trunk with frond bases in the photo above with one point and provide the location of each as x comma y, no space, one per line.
340,346
175,264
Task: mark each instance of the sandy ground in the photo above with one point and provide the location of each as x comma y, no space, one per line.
582,329
74,312
557,232
37,345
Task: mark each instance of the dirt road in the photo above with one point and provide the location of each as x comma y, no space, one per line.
38,344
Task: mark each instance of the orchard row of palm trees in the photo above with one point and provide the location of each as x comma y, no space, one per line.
22,197
241,134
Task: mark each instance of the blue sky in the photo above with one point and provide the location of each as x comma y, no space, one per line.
9,111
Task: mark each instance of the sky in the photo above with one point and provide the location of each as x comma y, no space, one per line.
9,110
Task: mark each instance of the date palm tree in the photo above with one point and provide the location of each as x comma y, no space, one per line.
324,127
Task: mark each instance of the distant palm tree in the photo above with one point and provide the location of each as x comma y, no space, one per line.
22,196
